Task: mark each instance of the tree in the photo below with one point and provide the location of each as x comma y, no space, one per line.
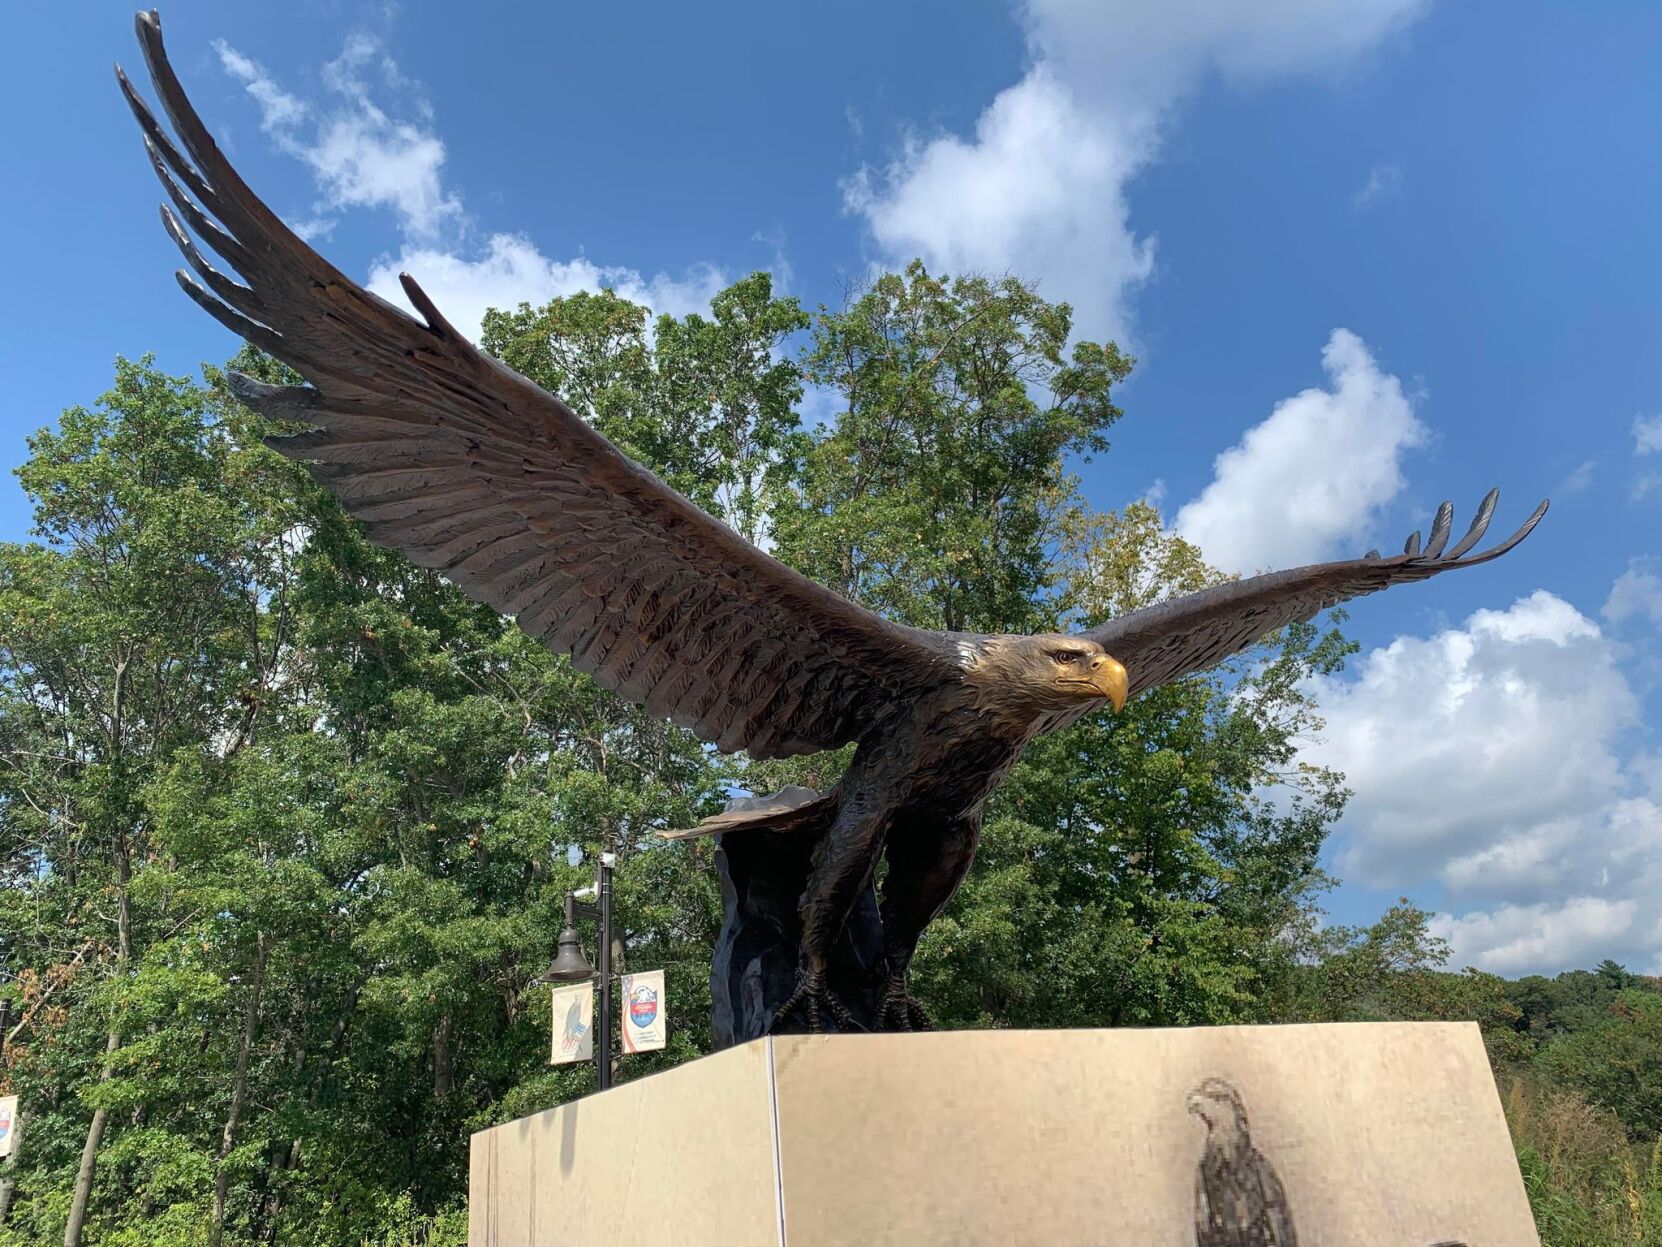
134,630
1616,1062
937,496
706,402
1127,872
1393,971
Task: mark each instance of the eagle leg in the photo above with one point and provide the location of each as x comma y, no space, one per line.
926,865
842,866
817,1000
900,1010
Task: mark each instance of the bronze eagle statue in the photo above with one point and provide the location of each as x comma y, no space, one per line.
469,469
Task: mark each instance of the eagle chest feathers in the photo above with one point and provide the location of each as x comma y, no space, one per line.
960,763
968,732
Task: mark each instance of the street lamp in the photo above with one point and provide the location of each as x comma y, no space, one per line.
571,966
6,1018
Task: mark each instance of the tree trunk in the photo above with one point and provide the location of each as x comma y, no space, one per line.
8,1176
89,1153
239,1089
444,1064
291,1161
101,1117
294,1034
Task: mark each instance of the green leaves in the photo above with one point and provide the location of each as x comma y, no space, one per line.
940,491
706,402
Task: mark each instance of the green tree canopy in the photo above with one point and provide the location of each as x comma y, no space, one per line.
286,821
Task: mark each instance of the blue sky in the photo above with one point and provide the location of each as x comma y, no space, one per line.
1401,249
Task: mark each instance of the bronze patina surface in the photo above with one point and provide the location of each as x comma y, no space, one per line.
470,469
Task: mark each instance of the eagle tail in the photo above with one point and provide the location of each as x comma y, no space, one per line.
791,811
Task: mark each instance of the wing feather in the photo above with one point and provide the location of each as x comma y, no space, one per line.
471,470
1177,638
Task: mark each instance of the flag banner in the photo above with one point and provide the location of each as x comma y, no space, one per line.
8,1124
644,1024
573,1024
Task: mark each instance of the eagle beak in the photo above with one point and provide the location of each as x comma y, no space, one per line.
1109,679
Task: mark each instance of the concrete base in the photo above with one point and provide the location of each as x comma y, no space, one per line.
1387,1134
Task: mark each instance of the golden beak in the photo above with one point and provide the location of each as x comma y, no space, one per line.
1111,681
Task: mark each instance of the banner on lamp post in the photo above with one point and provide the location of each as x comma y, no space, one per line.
573,1024
644,1023
8,1124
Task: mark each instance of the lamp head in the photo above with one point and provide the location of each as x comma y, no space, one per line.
569,964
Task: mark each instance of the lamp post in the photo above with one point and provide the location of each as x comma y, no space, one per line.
6,1018
571,966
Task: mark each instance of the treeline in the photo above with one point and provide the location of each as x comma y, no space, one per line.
1579,1058
285,821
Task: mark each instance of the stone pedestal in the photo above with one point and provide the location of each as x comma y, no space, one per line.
1385,1135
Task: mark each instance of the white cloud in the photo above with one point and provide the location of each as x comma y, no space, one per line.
360,156
1493,757
1152,51
1647,440
1648,768
362,163
1384,180
363,157
1459,741
1578,479
1040,188
1647,434
278,109
1636,595
1526,939
311,229
1039,191
511,271
1313,475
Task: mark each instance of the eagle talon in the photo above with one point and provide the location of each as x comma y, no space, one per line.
901,1011
816,999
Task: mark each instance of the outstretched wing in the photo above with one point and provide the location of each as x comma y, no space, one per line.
472,470
1173,639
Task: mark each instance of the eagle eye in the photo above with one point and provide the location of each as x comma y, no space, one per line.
1064,656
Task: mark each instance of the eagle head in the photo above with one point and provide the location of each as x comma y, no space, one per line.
1041,674
1218,1104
